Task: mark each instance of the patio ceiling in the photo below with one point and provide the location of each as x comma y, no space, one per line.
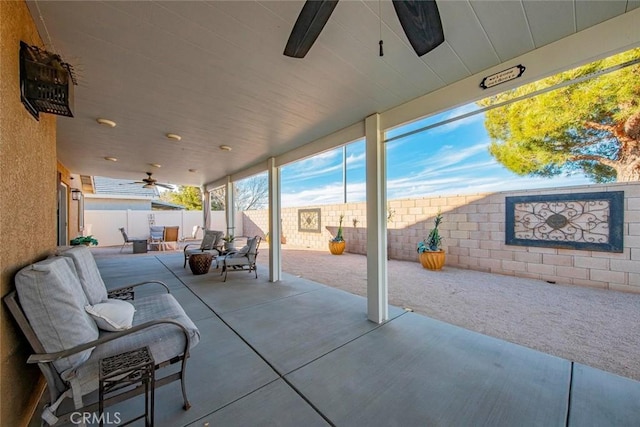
214,73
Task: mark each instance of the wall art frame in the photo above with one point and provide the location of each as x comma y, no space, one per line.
309,220
582,221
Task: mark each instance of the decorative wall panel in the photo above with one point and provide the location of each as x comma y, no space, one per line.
584,221
309,220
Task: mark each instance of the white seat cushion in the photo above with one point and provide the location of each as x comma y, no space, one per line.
164,341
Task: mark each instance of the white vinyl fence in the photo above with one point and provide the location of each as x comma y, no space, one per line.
104,224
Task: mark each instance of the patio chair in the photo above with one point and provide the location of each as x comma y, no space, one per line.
171,236
128,239
243,259
211,243
156,236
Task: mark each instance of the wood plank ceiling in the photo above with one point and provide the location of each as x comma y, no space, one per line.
214,73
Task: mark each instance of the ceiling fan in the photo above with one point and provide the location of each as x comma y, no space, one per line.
150,182
420,21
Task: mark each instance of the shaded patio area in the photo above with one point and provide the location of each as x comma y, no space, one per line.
299,352
596,327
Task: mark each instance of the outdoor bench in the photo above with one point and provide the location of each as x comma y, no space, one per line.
51,305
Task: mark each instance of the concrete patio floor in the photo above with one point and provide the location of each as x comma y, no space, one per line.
298,352
595,327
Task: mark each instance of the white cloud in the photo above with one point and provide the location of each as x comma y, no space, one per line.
356,160
489,184
445,160
316,166
438,118
332,193
468,108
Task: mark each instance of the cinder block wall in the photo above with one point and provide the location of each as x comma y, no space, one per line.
474,236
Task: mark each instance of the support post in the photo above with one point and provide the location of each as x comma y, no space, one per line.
275,226
229,207
344,174
206,208
377,293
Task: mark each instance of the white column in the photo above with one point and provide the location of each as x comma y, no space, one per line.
229,208
206,208
275,227
377,296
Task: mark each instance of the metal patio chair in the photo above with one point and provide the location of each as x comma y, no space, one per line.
211,243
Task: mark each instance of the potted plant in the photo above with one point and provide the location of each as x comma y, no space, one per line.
337,244
229,242
84,240
430,251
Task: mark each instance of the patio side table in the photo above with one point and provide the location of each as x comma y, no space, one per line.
135,368
200,263
140,246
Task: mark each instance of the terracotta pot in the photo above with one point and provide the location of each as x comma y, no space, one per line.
432,260
336,248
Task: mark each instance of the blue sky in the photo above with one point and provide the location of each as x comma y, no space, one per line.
446,160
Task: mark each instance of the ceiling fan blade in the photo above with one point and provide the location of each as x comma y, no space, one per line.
310,22
167,186
420,20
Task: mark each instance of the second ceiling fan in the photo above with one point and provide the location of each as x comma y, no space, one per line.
420,20
150,182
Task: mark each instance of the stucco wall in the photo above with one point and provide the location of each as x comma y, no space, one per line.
474,237
28,204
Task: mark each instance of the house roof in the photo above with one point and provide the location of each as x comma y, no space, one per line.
124,188
165,206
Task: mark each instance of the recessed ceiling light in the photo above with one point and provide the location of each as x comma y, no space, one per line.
193,170
174,136
106,122
155,165
225,148
111,159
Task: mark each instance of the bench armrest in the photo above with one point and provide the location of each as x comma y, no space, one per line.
52,357
127,293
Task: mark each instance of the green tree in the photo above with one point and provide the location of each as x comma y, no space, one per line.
187,196
591,127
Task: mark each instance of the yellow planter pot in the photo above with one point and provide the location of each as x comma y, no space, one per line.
432,260
336,248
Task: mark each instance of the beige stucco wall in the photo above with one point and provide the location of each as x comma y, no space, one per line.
474,236
28,204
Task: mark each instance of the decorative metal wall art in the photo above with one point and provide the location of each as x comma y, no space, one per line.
309,220
584,221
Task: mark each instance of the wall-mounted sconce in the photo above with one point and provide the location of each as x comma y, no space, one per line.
76,194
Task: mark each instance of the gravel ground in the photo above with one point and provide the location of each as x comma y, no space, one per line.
596,327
